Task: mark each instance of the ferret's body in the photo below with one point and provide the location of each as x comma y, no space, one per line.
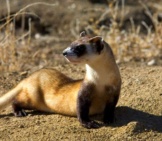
51,91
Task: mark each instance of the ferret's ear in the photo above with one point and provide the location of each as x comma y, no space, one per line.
98,42
83,34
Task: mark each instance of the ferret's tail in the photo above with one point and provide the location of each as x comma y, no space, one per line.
7,98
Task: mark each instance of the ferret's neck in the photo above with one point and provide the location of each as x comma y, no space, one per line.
102,73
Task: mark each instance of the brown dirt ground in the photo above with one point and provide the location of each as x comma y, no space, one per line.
138,113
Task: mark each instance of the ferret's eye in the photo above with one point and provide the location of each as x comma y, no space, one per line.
80,50
81,47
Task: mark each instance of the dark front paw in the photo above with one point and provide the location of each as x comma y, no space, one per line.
90,124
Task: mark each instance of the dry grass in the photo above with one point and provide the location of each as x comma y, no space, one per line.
15,47
133,45
127,46
10,43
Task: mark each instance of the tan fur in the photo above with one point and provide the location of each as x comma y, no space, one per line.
8,97
48,90
51,91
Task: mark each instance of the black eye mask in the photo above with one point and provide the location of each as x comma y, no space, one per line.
79,50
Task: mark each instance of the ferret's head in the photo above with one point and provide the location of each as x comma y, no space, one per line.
85,49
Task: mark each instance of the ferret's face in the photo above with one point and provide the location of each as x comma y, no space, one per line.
84,50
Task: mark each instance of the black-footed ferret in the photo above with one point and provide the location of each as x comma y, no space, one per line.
51,91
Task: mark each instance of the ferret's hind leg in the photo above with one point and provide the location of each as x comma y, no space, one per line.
18,110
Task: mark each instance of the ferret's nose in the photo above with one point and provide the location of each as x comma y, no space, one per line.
64,53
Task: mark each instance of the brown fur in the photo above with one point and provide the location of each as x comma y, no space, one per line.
51,91
46,90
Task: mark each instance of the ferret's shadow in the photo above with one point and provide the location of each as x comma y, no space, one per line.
144,121
123,115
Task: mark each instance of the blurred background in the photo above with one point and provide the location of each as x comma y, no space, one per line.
34,33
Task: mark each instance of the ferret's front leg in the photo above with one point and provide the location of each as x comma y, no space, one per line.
110,110
83,106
